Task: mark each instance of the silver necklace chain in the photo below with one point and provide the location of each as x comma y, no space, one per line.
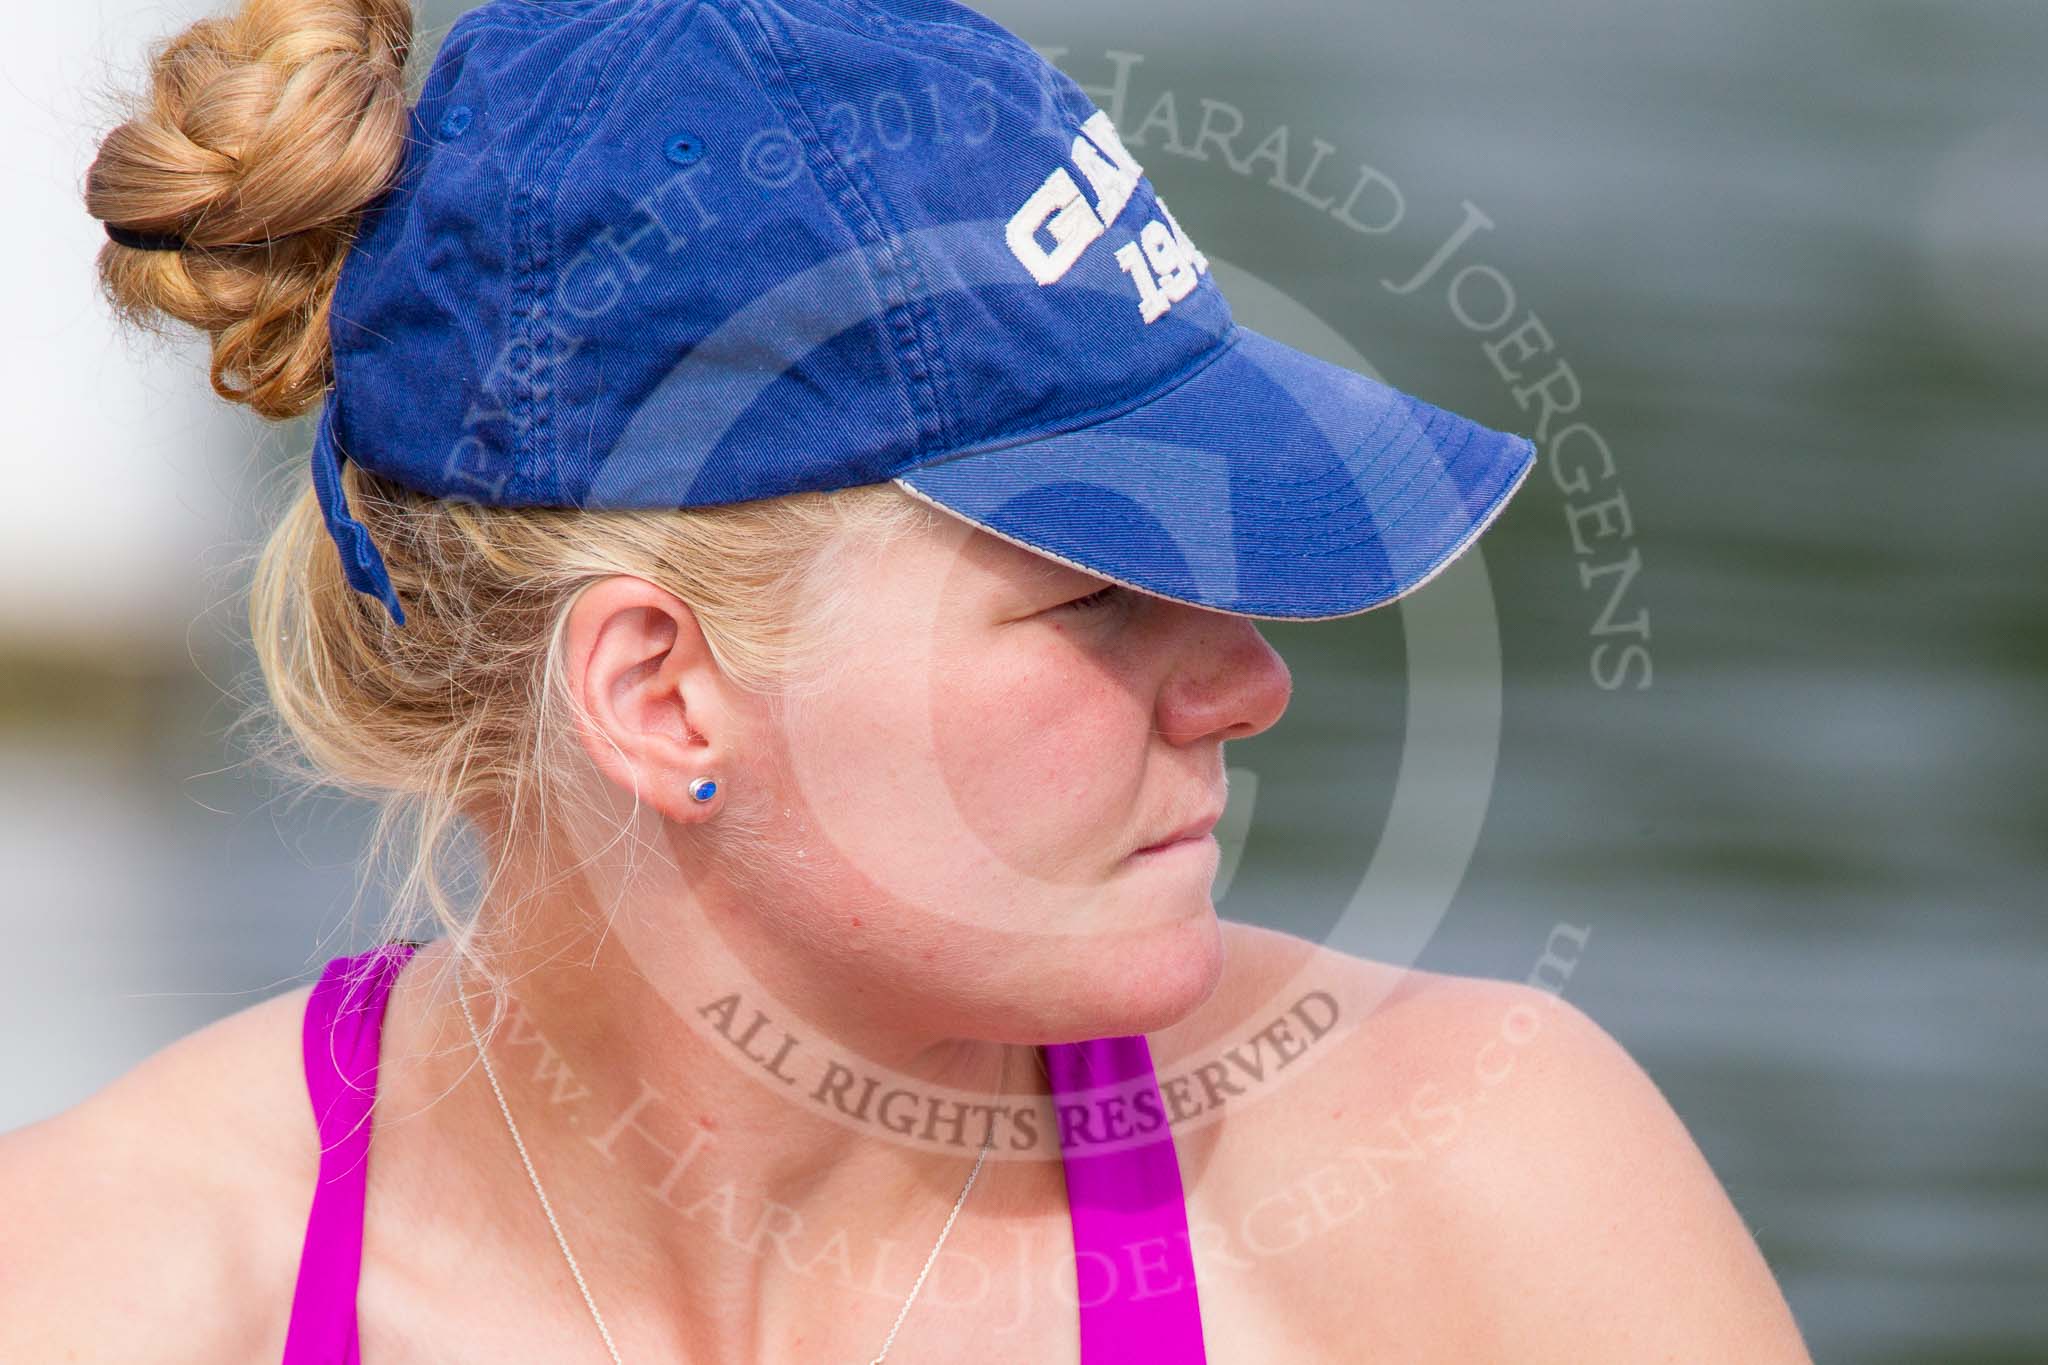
563,1242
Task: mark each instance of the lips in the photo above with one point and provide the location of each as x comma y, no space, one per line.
1194,829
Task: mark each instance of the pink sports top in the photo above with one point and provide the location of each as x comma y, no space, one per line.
1132,1260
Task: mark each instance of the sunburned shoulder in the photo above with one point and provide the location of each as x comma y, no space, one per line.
159,1220
1471,1169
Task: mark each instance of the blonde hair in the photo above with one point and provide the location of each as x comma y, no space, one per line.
262,138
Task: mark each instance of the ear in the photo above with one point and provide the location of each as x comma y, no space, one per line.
651,692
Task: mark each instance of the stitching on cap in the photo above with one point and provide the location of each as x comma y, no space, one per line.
600,84
919,360
1486,517
1096,418
902,279
536,196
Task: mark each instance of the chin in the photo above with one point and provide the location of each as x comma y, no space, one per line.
1141,980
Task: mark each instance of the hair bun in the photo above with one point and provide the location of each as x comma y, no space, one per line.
263,136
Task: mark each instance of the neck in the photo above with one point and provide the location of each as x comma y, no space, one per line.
710,1152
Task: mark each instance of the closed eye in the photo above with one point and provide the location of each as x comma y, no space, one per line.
1101,598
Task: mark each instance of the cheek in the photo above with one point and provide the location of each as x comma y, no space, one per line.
980,785
1042,758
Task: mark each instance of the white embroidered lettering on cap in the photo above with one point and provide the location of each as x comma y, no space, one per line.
1163,263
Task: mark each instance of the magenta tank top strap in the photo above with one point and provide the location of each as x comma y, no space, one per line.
344,1023
1134,1267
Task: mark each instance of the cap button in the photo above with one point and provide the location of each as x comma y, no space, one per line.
684,149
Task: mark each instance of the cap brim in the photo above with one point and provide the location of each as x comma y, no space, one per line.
1267,483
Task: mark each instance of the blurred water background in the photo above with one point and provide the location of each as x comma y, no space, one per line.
1796,258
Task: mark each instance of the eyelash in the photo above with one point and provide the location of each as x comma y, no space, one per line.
1100,598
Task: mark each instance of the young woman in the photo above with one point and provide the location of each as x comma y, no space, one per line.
790,504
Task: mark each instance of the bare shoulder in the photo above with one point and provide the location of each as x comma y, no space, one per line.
1481,1155
1576,1185
159,1220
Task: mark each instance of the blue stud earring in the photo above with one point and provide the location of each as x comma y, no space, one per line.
703,789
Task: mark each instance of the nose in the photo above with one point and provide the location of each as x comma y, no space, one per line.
1227,683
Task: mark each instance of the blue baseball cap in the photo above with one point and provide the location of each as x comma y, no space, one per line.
676,253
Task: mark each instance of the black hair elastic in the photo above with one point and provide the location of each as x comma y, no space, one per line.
145,241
